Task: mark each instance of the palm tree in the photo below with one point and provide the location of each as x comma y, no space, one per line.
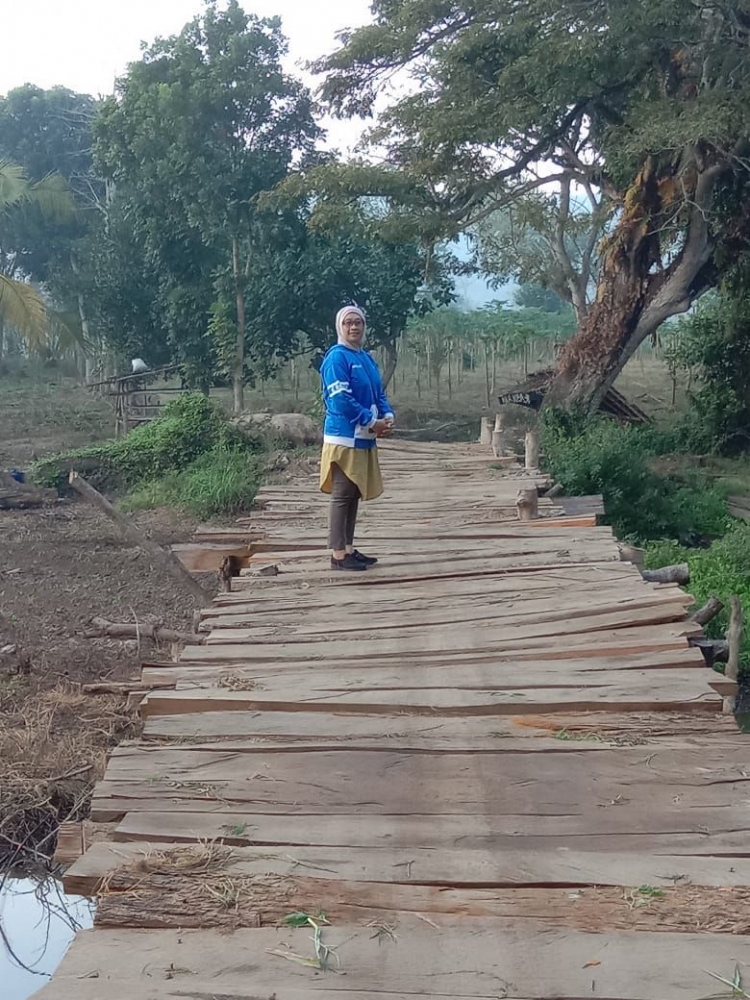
21,306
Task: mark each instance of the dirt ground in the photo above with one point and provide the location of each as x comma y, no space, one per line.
60,567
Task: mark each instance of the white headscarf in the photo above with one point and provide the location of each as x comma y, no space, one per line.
341,316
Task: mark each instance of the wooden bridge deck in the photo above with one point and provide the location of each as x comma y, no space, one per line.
490,768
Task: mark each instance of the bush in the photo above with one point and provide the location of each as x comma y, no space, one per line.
599,456
723,570
190,426
221,481
714,344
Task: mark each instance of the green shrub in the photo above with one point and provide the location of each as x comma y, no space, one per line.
723,570
600,456
190,426
221,481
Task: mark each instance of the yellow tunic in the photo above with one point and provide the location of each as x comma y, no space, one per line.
361,465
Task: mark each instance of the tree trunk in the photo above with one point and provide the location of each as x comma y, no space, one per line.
238,374
391,354
636,292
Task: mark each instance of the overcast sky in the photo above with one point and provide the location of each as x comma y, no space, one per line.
86,44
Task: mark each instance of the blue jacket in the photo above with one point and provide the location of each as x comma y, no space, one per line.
354,397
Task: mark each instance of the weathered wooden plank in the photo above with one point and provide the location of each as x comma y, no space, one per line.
490,641
432,866
172,899
683,782
618,831
693,697
466,957
412,627
438,611
250,731
604,579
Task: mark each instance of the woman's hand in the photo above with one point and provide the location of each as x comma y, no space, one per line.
382,428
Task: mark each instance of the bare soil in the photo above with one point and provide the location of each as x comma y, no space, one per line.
59,567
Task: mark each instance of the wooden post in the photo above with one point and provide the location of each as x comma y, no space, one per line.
527,504
485,432
532,451
497,436
734,638
164,558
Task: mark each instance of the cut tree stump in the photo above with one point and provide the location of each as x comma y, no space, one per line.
527,505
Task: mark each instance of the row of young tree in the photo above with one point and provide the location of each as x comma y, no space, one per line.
601,150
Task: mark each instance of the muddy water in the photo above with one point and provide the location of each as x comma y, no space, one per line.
39,922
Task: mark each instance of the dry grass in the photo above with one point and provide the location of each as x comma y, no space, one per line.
53,745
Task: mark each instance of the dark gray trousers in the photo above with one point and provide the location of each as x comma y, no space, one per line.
345,497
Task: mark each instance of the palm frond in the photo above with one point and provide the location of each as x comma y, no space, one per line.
51,194
13,184
23,309
53,198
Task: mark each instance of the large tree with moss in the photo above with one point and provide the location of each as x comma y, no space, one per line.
642,104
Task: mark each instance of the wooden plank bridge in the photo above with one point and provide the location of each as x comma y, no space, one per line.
492,767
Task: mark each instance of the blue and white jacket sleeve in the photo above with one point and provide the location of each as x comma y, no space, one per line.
340,400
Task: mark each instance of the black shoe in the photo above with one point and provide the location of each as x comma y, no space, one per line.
365,560
348,562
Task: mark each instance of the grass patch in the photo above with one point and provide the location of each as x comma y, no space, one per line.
221,481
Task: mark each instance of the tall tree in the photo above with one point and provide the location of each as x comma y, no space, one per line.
645,105
22,307
209,121
48,132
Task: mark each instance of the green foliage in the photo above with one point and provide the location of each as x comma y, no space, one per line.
599,456
202,126
222,481
722,570
714,344
190,426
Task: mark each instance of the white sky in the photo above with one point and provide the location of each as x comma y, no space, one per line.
86,44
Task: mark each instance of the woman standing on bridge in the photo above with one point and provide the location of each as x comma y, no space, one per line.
357,414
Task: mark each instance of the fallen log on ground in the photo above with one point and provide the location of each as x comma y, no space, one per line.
161,557
101,628
680,573
710,609
124,687
22,496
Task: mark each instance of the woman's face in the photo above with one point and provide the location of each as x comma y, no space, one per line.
353,329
